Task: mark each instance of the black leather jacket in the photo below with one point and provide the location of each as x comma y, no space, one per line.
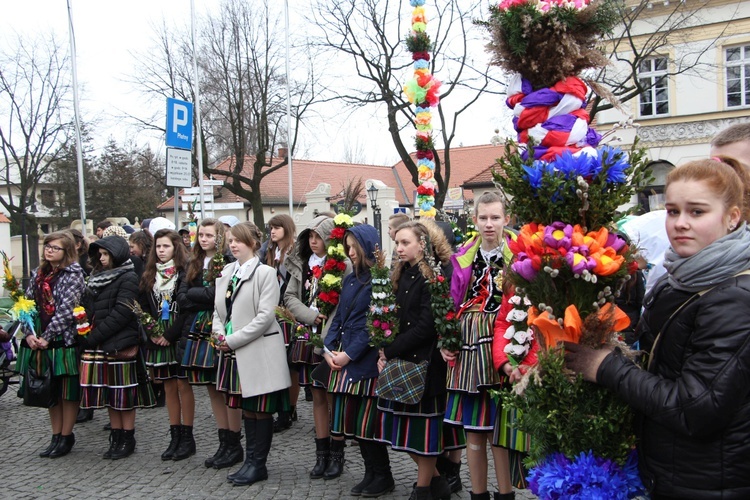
693,403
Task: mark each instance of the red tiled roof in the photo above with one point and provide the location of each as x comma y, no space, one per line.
4,219
466,162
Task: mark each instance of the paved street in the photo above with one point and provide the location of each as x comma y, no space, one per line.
83,474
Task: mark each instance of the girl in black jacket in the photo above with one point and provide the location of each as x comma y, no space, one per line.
418,428
196,297
693,400
161,279
111,372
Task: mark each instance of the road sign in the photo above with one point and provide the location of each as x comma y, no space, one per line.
212,182
179,173
399,210
179,124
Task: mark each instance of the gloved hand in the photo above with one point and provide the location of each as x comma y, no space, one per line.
585,360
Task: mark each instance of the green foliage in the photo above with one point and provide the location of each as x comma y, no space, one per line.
418,42
564,414
558,197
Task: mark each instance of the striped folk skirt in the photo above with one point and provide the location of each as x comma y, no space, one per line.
272,402
474,367
228,379
64,363
199,360
120,384
416,428
475,412
163,361
304,360
354,409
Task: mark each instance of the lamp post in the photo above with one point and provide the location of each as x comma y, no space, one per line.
372,193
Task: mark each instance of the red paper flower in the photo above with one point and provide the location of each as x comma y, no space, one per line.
317,272
337,233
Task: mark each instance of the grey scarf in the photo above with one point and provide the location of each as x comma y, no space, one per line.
718,261
99,280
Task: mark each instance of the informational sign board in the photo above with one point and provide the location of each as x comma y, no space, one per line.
399,210
179,173
454,199
179,124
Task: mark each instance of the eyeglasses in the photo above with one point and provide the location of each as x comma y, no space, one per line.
53,248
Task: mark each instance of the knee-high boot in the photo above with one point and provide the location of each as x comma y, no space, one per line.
249,449
263,438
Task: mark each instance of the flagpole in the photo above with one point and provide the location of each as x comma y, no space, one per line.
77,120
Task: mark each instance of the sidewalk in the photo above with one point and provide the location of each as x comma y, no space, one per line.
83,474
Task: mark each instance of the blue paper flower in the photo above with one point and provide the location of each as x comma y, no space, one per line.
573,166
613,161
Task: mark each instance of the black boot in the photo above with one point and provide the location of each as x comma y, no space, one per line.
505,496
63,446
284,421
480,496
263,438
232,453
439,488
364,449
186,447
115,435
174,442
420,493
84,415
209,462
322,452
51,446
382,481
126,446
451,471
335,459
250,433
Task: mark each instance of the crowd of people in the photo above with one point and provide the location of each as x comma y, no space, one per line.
215,306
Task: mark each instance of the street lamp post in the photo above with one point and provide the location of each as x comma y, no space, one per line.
24,246
372,193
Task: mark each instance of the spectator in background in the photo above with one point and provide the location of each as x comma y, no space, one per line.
185,235
101,226
229,221
733,142
145,226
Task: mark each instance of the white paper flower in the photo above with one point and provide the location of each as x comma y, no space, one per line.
516,350
521,336
515,300
510,332
516,315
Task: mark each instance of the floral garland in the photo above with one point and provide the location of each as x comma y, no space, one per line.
447,325
23,310
82,321
382,322
333,269
422,91
216,264
519,333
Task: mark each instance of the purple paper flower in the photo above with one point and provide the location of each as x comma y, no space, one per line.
579,262
615,242
525,267
558,235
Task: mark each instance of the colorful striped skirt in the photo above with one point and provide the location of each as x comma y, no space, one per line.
114,383
163,361
474,368
64,363
287,330
268,403
354,409
475,412
304,360
506,435
416,428
199,360
228,379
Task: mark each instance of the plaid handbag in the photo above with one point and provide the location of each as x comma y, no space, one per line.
402,381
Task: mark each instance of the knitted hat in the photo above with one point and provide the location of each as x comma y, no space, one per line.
114,230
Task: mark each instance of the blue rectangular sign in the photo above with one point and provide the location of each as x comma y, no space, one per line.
179,124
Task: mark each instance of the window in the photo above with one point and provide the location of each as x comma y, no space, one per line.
652,76
48,197
738,76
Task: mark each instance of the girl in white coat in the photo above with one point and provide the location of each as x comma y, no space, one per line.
250,330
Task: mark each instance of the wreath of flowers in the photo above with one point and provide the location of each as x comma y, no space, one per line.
422,91
216,264
82,321
382,322
23,310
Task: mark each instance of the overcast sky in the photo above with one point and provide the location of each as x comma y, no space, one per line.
109,32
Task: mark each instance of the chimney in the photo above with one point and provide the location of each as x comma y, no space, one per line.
283,152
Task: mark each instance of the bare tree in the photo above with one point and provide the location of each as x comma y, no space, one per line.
34,89
643,34
369,33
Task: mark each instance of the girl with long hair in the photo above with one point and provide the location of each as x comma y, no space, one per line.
196,295
159,284
417,428
244,321
56,286
273,253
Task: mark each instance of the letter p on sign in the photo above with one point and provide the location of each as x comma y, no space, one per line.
179,124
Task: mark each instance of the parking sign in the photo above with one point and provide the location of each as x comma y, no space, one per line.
179,124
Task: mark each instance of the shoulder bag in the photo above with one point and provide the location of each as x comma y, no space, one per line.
39,386
402,381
